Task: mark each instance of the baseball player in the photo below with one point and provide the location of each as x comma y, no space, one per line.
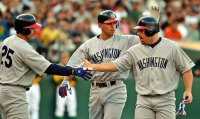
157,63
69,101
108,92
19,65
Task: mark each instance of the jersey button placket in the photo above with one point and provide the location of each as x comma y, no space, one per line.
151,74
151,80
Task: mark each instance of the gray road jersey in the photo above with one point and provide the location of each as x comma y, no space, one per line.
97,51
156,70
20,62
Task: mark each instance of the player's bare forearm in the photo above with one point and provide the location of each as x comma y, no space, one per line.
104,67
188,80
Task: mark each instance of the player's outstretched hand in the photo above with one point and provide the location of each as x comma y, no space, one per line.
155,12
64,87
82,72
86,63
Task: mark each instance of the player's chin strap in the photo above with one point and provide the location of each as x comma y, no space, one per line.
181,110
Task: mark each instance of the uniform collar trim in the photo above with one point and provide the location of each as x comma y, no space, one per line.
153,45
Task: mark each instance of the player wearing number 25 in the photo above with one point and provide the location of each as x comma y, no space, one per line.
19,65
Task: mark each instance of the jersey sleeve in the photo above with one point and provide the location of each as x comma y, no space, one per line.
75,59
124,62
182,62
133,40
34,60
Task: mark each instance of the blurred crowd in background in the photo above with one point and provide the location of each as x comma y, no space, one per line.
66,24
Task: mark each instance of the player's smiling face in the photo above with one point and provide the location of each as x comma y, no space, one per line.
145,40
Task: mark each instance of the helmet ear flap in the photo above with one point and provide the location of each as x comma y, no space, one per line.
25,31
117,24
149,32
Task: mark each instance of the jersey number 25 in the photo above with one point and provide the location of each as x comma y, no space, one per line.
7,52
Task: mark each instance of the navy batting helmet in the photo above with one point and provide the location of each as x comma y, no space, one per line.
107,16
25,22
150,24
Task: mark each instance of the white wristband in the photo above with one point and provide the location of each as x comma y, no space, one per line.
65,82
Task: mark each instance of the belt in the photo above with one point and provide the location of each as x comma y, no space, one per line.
25,87
104,84
156,95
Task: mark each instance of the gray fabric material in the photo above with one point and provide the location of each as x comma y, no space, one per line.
97,51
26,62
108,102
13,101
156,107
156,70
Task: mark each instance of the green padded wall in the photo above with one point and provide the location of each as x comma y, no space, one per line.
48,99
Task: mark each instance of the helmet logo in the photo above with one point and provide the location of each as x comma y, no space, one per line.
112,15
